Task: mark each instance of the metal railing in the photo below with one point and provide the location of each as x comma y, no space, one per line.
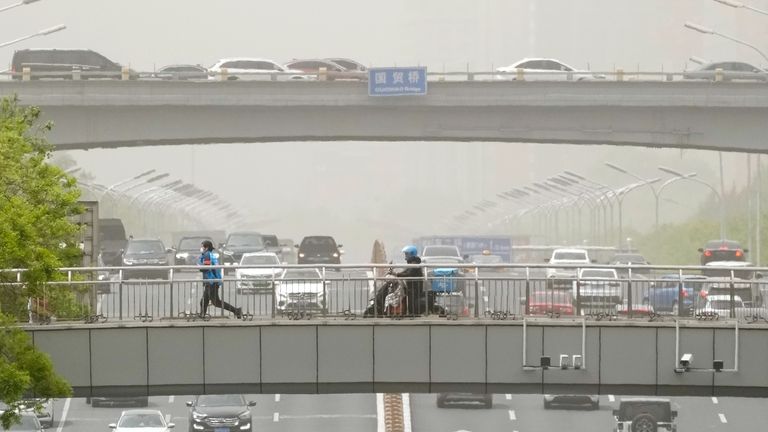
126,74
451,291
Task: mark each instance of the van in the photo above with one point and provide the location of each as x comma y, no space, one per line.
112,241
58,63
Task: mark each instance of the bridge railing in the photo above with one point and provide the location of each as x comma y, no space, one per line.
33,74
450,290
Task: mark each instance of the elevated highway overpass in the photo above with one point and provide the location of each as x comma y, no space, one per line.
727,116
166,358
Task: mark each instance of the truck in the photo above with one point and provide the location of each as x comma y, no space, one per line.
474,244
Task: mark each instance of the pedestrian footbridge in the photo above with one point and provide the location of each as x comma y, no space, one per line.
413,355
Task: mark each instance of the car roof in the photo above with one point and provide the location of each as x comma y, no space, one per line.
641,399
183,65
141,411
269,254
724,242
229,59
569,250
244,233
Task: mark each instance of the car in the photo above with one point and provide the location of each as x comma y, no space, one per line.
731,70
188,250
28,422
748,290
220,413
571,401
60,63
239,243
630,259
483,400
645,415
301,290
334,71
258,280
146,252
728,269
598,290
252,69
141,420
441,251
722,250
550,302
562,277
665,292
181,72
545,69
319,250
100,401
720,305
112,241
348,64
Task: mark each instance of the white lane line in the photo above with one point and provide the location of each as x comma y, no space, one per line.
508,396
611,398
326,416
512,415
722,418
406,412
171,399
714,400
276,417
380,424
63,418
277,397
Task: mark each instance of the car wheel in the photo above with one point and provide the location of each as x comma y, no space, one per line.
675,309
644,423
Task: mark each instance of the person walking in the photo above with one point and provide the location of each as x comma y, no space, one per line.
212,281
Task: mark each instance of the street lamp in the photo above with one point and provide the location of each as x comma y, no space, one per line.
637,177
740,5
712,188
45,32
15,5
706,30
698,60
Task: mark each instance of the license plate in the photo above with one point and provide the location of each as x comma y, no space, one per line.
221,429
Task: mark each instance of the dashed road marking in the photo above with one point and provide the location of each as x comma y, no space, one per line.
63,419
722,418
714,400
170,399
406,398
277,397
276,417
326,416
512,415
611,398
381,425
508,396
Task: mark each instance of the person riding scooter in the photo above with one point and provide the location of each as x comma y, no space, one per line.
414,282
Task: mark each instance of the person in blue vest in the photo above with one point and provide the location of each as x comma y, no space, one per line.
212,281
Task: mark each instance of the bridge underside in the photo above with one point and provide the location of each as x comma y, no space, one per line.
403,356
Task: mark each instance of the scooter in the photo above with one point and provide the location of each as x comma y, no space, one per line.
389,299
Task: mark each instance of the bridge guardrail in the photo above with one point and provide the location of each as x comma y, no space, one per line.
348,292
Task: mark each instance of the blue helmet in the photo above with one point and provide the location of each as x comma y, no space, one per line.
410,251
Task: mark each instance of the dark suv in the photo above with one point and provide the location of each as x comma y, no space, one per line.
145,253
645,415
722,250
59,63
319,250
239,243
220,413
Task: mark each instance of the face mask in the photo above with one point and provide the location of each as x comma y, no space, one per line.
202,249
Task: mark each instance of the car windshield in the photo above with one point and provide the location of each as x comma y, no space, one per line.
302,274
597,273
141,420
723,244
441,251
239,240
570,256
192,243
220,400
260,260
442,260
318,246
145,247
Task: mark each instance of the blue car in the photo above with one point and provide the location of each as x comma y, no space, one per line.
664,294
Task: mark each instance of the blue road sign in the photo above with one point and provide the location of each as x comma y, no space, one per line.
397,81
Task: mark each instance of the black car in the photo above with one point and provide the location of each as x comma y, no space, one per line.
220,413
188,250
145,253
571,401
722,250
445,400
111,241
319,250
60,63
182,72
645,414
239,243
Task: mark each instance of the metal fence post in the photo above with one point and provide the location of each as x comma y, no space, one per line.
629,293
527,290
578,292
477,292
170,279
120,293
680,293
732,290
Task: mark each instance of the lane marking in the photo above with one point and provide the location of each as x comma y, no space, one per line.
326,416
171,399
63,418
277,397
276,417
509,396
722,418
406,412
714,400
611,398
512,415
380,425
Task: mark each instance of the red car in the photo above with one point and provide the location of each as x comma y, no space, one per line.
550,302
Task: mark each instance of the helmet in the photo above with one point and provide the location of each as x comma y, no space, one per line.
410,251
207,244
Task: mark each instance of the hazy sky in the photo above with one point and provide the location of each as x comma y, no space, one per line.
360,191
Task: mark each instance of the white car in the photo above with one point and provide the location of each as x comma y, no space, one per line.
721,305
258,280
544,69
599,290
567,257
141,421
441,251
301,290
253,69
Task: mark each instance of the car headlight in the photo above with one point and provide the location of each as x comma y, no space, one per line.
182,255
301,255
198,416
335,254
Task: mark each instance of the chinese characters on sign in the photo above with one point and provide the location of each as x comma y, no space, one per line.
399,81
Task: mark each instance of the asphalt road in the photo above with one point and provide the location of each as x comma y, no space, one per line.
346,412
